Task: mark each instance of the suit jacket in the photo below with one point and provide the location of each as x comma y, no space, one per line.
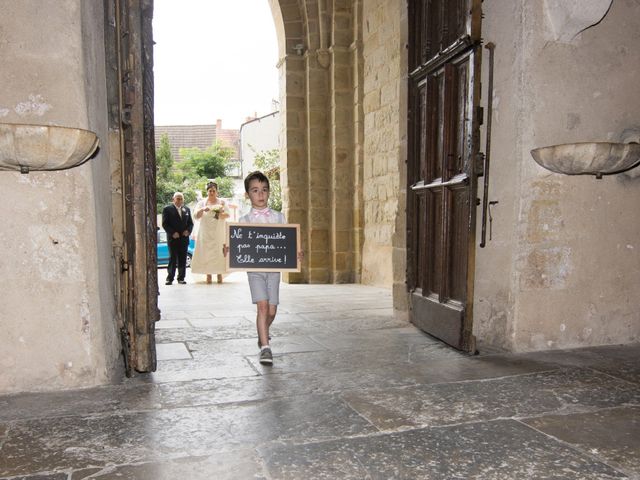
172,222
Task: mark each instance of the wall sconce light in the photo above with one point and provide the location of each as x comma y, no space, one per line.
24,148
299,48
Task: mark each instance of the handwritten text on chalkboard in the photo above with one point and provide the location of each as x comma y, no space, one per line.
263,247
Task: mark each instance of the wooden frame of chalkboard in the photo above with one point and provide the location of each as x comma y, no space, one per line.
263,247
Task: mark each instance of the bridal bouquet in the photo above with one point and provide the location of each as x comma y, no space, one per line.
217,210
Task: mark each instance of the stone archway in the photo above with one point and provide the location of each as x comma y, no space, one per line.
321,133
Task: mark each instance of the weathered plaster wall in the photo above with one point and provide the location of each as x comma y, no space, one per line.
563,267
57,327
107,352
384,104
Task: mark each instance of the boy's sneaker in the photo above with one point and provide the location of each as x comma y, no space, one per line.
266,357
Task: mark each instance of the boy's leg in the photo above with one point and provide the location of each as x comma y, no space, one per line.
273,287
262,321
273,309
264,293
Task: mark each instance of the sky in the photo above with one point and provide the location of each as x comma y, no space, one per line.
213,59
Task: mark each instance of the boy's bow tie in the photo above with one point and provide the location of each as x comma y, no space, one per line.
264,212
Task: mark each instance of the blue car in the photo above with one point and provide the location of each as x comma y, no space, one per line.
162,250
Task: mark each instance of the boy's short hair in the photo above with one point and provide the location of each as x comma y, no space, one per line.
257,175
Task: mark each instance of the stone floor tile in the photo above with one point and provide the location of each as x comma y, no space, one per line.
220,332
183,372
183,311
172,324
132,395
76,442
405,336
366,379
349,323
217,391
336,360
567,390
240,464
295,328
501,450
44,476
627,370
616,360
612,436
193,313
206,350
172,351
219,321
608,355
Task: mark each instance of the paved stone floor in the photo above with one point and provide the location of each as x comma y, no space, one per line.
354,393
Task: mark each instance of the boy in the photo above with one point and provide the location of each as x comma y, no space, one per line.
264,286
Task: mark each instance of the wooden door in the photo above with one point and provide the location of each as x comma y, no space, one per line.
444,120
129,49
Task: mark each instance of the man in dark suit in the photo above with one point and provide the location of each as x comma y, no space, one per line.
177,222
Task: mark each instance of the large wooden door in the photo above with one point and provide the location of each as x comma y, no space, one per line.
444,119
129,48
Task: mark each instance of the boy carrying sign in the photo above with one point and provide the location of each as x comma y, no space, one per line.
264,286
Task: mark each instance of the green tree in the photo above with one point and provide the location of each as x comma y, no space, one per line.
190,176
166,181
164,158
209,163
268,162
225,186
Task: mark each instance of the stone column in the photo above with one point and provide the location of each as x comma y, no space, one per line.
319,165
294,174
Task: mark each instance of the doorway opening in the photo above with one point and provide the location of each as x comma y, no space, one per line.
217,118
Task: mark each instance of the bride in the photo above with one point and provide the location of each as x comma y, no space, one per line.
207,256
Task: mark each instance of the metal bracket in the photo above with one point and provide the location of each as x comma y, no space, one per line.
487,156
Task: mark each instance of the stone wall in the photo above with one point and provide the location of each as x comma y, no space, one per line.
563,267
58,294
384,106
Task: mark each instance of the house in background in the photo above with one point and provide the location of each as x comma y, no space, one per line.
257,135
199,136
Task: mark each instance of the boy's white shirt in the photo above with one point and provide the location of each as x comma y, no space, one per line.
252,217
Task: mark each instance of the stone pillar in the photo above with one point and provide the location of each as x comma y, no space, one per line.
343,143
294,174
318,160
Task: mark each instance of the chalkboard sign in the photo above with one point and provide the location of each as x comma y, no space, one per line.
263,247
